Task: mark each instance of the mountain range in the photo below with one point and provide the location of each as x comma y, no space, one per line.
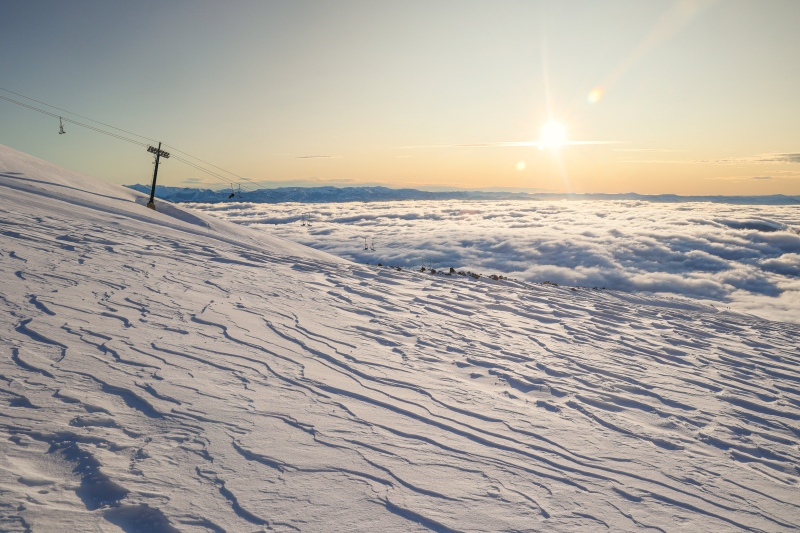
330,194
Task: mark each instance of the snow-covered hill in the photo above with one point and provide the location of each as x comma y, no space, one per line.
164,371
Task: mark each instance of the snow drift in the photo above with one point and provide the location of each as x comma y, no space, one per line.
167,371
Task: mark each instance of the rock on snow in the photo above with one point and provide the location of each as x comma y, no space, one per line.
167,371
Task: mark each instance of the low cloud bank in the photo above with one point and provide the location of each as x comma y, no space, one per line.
743,257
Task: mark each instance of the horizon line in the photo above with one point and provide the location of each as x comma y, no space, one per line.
511,190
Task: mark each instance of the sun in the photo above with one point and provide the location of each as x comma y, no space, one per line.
552,135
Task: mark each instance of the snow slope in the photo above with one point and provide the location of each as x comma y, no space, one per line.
168,371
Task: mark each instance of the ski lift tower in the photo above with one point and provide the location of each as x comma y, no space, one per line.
159,154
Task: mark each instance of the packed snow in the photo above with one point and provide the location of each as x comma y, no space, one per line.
170,371
746,257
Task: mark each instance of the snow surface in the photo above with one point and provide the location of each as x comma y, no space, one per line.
169,371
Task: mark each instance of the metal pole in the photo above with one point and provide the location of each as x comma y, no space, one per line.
151,204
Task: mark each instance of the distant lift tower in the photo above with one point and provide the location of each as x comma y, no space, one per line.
159,154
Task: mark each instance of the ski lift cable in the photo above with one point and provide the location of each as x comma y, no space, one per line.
77,123
77,115
200,168
217,175
211,165
211,173
116,135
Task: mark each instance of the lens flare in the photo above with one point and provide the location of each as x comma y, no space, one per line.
595,95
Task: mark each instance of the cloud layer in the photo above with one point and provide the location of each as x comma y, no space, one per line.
744,257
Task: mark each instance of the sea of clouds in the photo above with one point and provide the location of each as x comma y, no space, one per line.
738,256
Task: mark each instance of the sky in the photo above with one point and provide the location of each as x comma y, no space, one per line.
742,257
685,97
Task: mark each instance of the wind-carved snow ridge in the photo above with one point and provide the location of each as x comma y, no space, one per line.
161,374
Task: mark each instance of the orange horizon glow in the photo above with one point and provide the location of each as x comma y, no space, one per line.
617,99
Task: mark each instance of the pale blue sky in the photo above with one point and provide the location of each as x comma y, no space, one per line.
700,96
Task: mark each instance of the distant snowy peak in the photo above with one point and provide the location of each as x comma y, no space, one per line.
386,194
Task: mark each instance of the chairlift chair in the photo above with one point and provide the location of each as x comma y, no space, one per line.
61,127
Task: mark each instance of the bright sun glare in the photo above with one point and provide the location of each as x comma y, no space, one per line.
552,135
